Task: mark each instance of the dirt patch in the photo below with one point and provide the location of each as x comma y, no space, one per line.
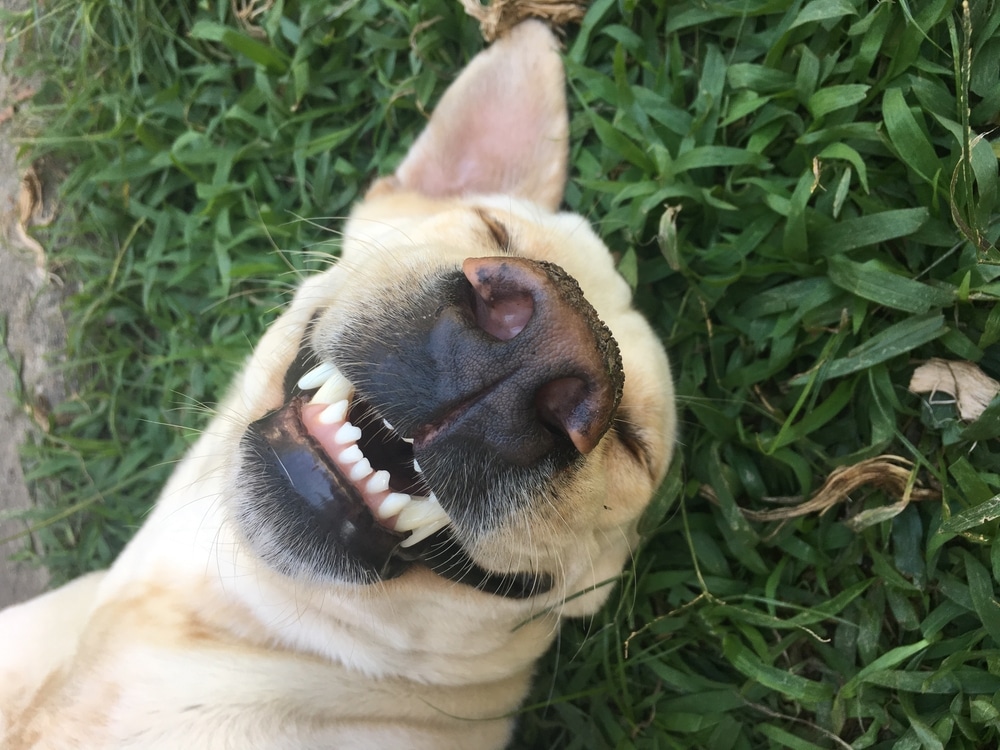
34,339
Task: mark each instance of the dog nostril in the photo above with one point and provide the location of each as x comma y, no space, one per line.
566,405
503,296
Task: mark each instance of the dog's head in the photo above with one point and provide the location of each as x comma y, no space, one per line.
468,389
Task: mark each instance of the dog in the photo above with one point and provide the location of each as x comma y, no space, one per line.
439,450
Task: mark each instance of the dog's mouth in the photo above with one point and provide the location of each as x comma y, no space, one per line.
368,454
326,452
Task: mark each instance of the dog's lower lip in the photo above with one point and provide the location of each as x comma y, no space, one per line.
290,437
328,504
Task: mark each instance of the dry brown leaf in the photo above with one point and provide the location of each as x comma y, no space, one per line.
247,12
891,474
30,210
500,16
963,381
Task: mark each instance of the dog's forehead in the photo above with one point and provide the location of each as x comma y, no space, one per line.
411,220
398,228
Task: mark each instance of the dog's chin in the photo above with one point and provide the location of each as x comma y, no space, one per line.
328,491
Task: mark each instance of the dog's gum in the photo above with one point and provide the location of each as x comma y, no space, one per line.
394,510
339,441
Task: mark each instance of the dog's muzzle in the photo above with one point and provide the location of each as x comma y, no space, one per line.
463,403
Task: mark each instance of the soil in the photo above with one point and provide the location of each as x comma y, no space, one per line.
31,380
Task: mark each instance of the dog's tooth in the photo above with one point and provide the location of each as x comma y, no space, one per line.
360,470
407,440
336,388
317,376
334,413
423,532
416,467
347,434
393,504
420,512
387,425
350,455
379,482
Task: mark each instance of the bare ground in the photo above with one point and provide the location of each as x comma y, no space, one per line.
31,380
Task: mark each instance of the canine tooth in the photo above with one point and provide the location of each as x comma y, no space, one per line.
379,482
423,532
360,470
419,513
336,388
347,434
317,376
334,413
407,440
387,425
392,504
416,467
350,455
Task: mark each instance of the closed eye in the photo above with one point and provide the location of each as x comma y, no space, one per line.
631,440
498,232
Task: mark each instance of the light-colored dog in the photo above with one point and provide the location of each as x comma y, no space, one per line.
440,449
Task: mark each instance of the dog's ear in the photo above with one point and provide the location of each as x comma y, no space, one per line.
501,127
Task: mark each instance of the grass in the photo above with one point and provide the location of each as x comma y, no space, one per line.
804,196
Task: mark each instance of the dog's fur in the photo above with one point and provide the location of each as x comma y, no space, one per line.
224,624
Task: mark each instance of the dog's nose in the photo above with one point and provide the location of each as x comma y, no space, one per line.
563,367
504,360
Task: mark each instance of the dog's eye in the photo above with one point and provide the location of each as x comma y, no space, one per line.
498,231
629,437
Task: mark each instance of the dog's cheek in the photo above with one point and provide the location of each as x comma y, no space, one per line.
594,523
584,499
630,488
560,527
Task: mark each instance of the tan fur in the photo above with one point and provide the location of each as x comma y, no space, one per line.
191,641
